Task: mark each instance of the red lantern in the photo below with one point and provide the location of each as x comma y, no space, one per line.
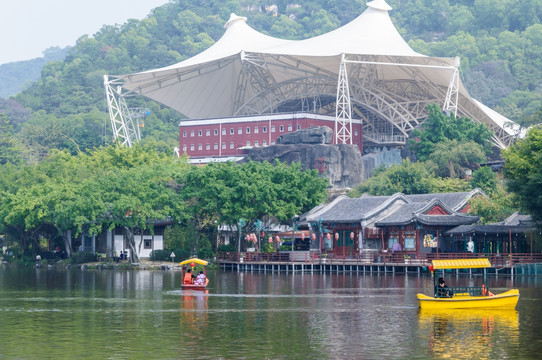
303,235
270,239
263,234
192,264
328,236
277,238
430,267
336,236
352,235
313,236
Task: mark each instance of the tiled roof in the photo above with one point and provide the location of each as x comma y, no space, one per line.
454,200
352,210
403,217
488,229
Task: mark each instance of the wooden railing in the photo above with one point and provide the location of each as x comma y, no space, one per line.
496,260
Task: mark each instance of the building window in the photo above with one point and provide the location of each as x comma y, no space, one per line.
200,133
255,143
239,130
356,132
223,145
281,128
298,127
184,148
264,143
255,129
290,127
191,147
272,128
232,145
248,143
223,131
184,133
216,146
147,243
200,147
207,146
216,131
272,142
265,129
248,130
192,133
208,132
232,131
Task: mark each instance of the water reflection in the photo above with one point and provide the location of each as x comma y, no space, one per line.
474,334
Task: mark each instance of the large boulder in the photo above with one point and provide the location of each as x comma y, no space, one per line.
341,164
313,135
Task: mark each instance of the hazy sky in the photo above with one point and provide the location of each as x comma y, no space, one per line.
27,27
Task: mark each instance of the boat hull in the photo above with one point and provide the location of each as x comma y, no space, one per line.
506,300
193,287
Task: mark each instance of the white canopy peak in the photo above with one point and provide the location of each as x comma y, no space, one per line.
233,19
379,5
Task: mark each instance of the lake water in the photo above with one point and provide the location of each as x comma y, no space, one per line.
107,314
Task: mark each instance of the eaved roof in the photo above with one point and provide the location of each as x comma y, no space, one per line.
416,212
397,208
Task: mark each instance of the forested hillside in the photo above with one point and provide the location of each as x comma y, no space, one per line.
499,42
17,76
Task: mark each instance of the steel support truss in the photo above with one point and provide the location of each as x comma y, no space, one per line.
124,129
343,108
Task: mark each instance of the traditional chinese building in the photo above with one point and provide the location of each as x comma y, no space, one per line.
413,224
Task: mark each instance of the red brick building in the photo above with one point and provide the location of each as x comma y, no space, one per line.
231,136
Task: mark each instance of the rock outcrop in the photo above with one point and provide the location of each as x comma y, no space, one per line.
341,164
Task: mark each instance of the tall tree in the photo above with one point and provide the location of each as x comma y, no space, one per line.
523,172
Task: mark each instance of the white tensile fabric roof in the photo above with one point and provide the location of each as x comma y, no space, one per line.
246,72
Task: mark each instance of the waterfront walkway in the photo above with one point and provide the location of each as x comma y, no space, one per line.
375,262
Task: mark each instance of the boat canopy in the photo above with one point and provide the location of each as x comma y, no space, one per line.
194,260
461,264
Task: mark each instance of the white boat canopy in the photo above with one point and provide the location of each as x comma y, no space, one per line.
363,70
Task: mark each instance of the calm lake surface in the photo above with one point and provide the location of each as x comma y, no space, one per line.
108,314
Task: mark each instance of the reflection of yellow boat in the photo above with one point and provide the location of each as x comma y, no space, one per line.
466,297
507,317
468,334
185,285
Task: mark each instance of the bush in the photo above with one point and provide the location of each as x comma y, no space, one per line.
160,255
226,248
82,257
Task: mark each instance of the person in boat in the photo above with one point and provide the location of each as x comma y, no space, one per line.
188,277
485,291
443,290
200,279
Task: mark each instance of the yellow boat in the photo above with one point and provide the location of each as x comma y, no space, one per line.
190,284
465,297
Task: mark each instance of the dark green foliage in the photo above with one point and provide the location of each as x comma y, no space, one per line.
406,178
161,255
485,179
83,257
226,248
523,172
439,128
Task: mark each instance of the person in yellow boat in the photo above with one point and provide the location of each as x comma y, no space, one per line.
188,277
486,292
443,290
200,279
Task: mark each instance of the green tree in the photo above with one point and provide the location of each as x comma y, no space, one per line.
439,128
452,158
407,178
485,179
523,172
